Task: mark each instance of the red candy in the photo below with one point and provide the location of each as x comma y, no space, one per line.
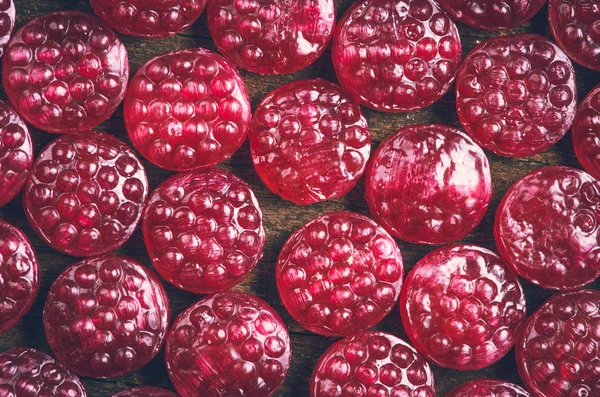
309,141
462,307
371,364
546,227
145,391
339,274
7,22
271,36
516,95
65,72
585,130
106,316
488,388
492,14
187,109
86,193
557,352
203,230
228,344
429,184
394,55
30,373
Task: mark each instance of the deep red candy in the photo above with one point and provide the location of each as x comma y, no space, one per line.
86,193
271,36
546,227
7,22
462,307
557,352
428,184
586,132
228,344
145,391
203,230
309,141
65,72
516,95
492,14
488,388
187,109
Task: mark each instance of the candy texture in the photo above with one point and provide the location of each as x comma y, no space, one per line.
30,373
339,274
372,364
428,184
65,72
271,36
7,22
515,95
488,388
492,14
309,141
546,227
203,230
395,55
586,133
106,316
19,276
149,18
145,391
228,344
462,307
187,109
86,193
557,352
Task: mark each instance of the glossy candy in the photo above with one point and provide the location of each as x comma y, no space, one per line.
271,36
106,316
586,132
557,352
488,388
7,22
65,72
309,141
339,274
226,344
145,391
86,193
492,14
395,55
516,95
371,364
462,307
203,230
428,184
187,109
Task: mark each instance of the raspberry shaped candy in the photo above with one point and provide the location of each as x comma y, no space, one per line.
187,109
65,72
309,141
585,133
428,184
396,55
371,364
557,352
145,391
488,388
492,14
31,373
516,95
462,307
546,227
106,316
339,274
7,22
228,344
152,18
271,37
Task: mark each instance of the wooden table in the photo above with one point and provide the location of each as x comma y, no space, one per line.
282,217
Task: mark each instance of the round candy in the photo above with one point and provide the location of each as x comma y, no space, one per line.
226,344
86,193
546,227
65,72
586,131
152,18
106,316
19,276
145,391
372,364
428,184
396,55
309,141
204,230
557,352
187,109
339,274
488,388
7,22
31,373
462,307
492,14
516,95
271,36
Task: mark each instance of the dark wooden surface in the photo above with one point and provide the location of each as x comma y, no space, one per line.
282,217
